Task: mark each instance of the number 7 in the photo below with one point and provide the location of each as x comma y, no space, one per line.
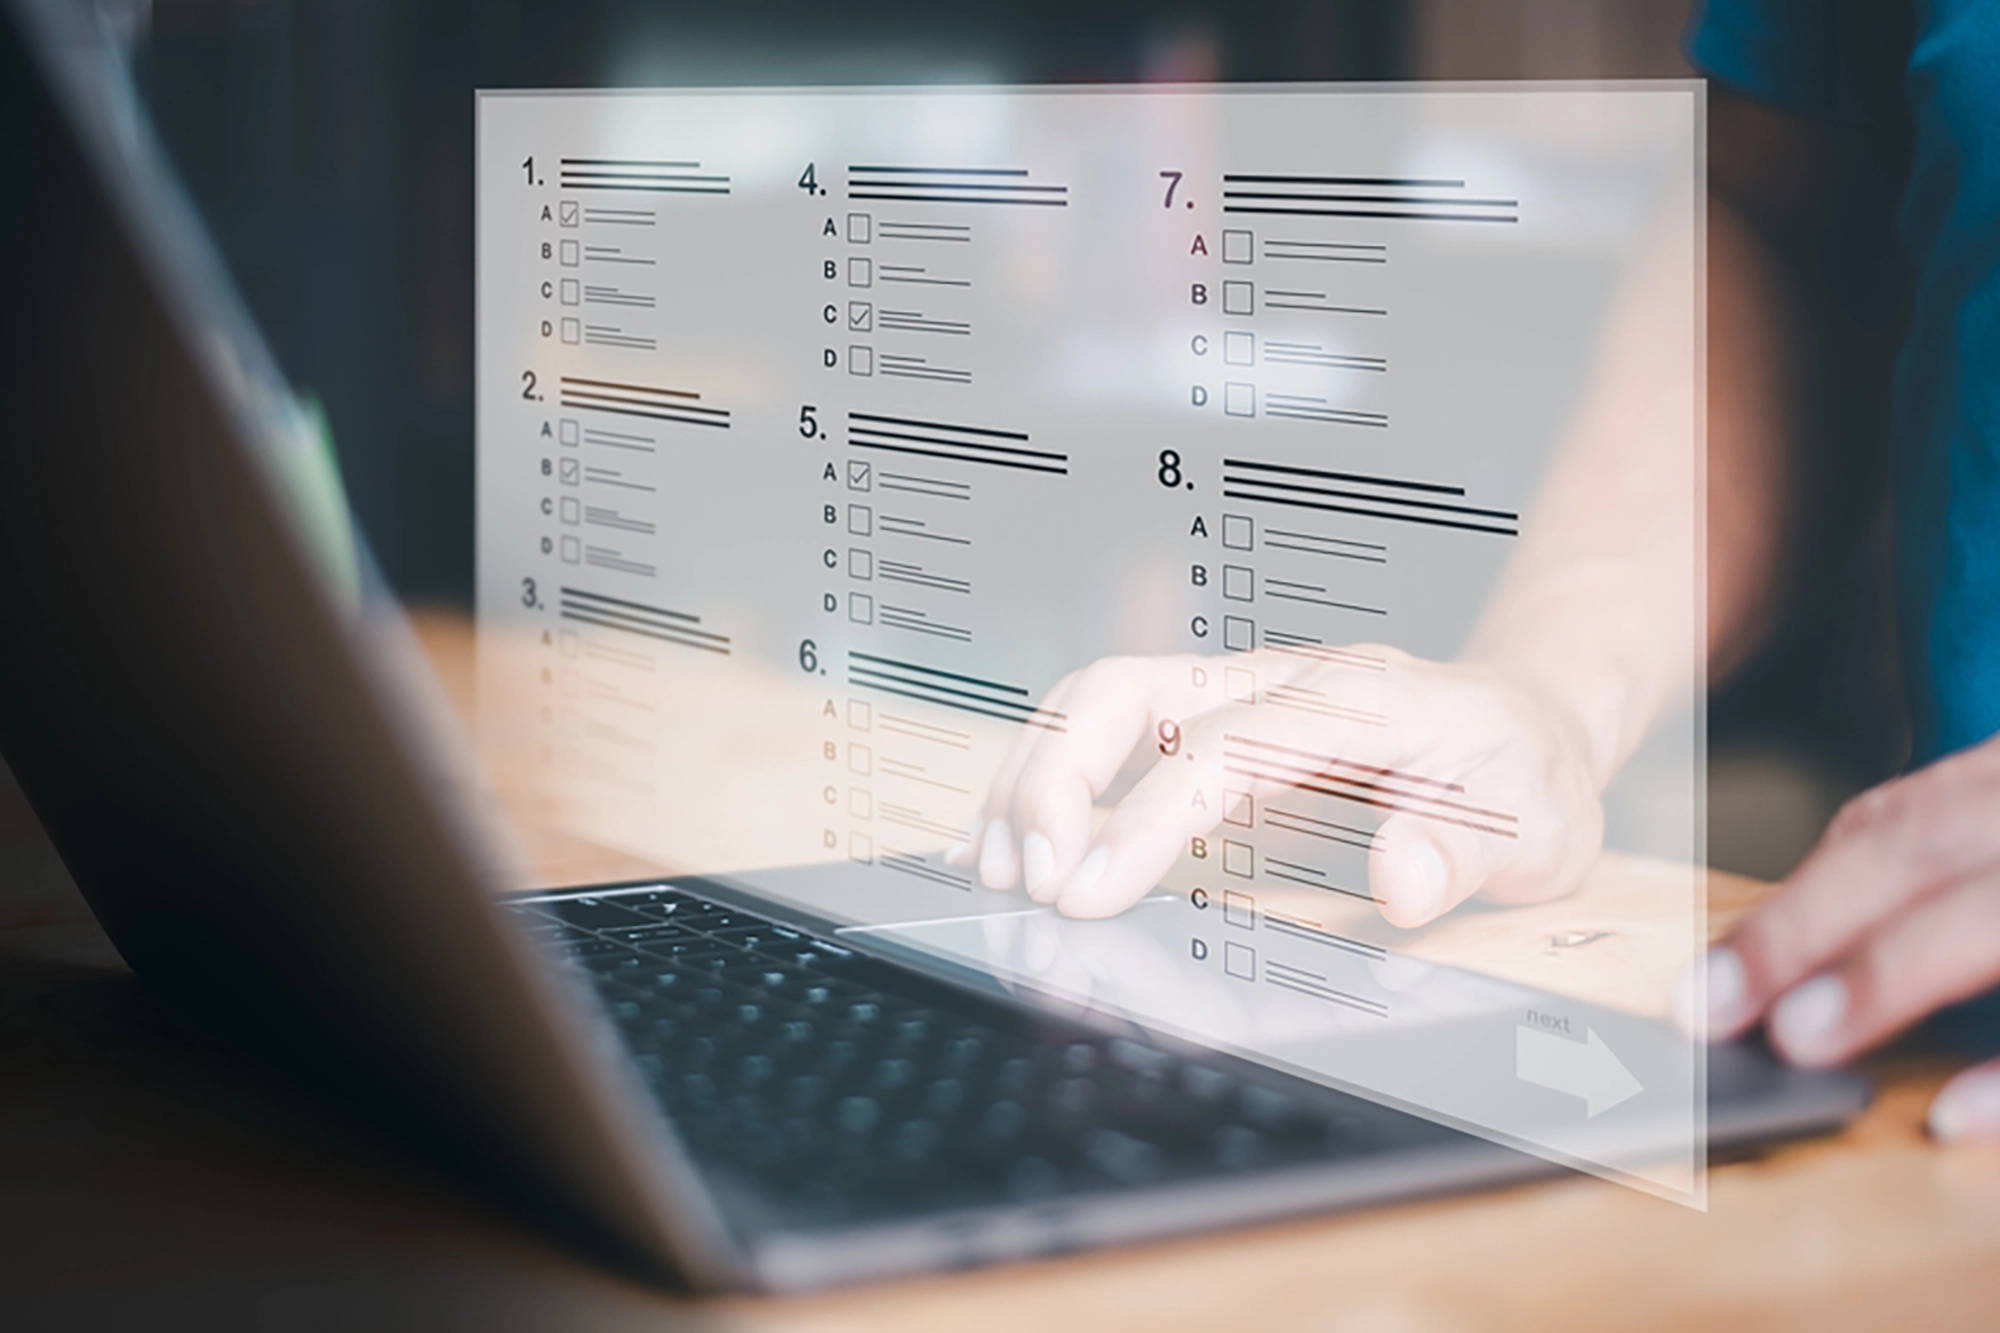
1173,180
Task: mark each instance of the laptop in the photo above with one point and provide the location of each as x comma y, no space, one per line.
234,742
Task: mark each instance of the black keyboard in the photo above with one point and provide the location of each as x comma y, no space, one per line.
815,1086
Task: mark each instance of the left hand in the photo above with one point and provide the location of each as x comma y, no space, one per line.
1896,913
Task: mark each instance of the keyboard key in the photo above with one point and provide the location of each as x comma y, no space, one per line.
857,1115
1125,1159
593,913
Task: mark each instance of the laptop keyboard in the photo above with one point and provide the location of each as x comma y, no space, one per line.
815,1086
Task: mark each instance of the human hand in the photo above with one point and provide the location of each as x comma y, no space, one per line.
1486,783
1894,914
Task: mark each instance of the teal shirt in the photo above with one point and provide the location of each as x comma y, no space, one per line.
1826,59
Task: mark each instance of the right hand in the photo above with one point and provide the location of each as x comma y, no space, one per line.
1486,783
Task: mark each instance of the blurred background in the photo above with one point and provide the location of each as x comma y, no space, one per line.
329,145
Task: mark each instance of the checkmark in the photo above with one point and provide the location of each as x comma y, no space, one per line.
860,474
860,316
568,213
571,471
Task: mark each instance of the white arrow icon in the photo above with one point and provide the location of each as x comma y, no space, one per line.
1584,1069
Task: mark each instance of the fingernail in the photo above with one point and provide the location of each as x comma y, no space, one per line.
1806,1022
1721,975
961,851
1038,867
996,855
1425,881
1084,878
1968,1108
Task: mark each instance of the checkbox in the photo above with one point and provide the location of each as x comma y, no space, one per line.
570,253
860,271
1239,634
861,608
860,760
1240,961
572,551
860,803
1240,685
568,644
572,331
860,475
860,316
860,715
861,520
1239,583
572,292
568,431
571,472
1239,349
1239,400
572,510
861,847
860,563
1238,247
1239,532
568,213
1239,910
1239,298
1239,808
860,228
1239,859
860,360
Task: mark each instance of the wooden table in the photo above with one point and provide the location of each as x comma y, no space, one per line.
146,1175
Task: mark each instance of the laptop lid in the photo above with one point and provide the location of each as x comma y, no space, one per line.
222,722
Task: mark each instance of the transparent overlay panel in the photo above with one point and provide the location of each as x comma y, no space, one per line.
1253,519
